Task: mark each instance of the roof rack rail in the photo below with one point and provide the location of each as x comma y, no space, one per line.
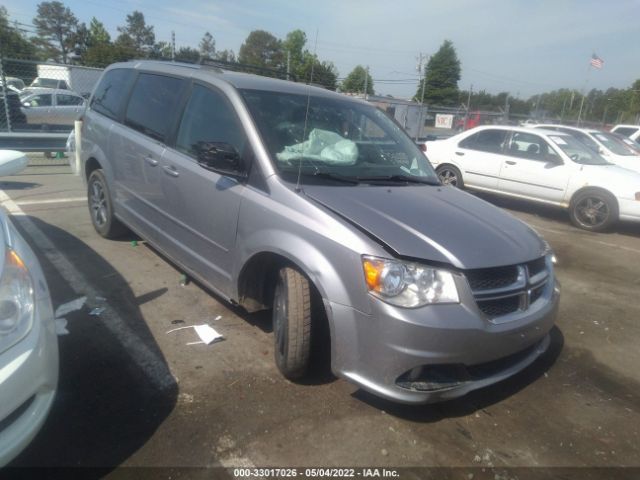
243,67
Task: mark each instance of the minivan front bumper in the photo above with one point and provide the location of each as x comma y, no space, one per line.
436,352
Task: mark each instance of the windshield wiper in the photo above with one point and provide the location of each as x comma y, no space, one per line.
399,178
334,176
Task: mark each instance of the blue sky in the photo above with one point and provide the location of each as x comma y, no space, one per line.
524,47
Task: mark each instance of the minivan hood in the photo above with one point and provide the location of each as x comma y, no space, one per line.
436,223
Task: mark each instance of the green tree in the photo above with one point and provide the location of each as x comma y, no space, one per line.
226,56
13,44
324,73
160,51
293,45
441,75
262,49
137,34
355,81
188,54
81,41
207,46
104,54
98,35
56,26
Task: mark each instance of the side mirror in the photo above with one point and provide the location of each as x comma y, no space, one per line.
26,104
220,157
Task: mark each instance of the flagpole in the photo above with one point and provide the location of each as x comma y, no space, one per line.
584,89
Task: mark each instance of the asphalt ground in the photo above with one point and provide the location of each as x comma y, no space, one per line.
137,402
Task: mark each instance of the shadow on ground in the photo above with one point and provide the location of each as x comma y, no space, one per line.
107,407
8,185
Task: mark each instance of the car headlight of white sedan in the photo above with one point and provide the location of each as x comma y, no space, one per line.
17,300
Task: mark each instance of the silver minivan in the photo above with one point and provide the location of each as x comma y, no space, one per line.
282,196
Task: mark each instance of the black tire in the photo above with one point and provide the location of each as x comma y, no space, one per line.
101,207
450,175
292,323
593,210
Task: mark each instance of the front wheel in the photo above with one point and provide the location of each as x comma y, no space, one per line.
593,210
450,175
292,323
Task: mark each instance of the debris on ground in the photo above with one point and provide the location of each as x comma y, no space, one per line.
61,327
184,280
71,306
207,334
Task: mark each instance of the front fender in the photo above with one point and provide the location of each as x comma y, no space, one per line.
335,271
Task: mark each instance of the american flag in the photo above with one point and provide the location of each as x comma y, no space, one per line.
596,61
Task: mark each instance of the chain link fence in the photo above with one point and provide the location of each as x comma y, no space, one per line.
43,97
39,103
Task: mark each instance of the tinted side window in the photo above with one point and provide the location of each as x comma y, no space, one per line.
490,141
208,118
112,92
625,131
532,147
66,100
153,103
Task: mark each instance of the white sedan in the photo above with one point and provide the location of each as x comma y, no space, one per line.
542,166
606,144
28,343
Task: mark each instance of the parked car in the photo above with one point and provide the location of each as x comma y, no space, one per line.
28,343
606,144
16,117
632,144
14,84
42,82
52,107
286,196
631,131
542,166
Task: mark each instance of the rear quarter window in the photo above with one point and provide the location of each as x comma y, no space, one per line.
111,93
628,131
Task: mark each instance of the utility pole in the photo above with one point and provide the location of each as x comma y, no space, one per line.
5,92
506,109
366,81
466,117
423,79
288,64
173,46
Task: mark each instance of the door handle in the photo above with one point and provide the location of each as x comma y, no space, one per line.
511,162
170,170
460,154
151,161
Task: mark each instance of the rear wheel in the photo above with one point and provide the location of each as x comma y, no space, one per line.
593,210
450,175
101,207
292,323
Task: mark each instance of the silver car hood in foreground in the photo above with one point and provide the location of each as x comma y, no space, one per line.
440,224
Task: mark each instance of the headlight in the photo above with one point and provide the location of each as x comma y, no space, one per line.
16,299
407,284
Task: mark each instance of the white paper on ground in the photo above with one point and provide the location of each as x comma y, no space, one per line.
61,326
206,333
71,306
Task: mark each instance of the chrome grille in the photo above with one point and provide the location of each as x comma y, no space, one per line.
502,291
